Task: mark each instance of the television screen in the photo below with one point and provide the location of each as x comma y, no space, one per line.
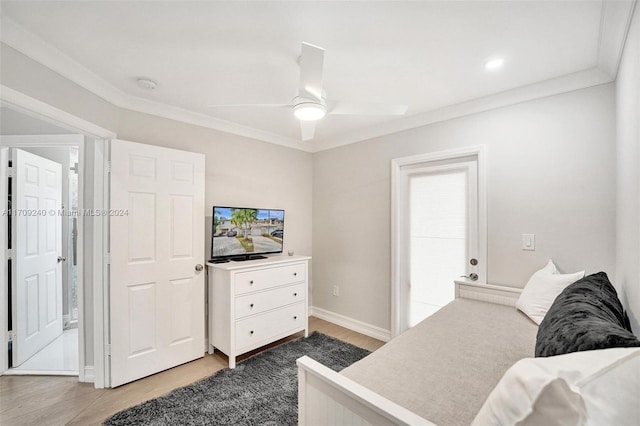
246,233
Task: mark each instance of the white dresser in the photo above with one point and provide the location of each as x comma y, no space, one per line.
256,302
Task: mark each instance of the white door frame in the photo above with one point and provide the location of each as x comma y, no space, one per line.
4,282
477,152
33,107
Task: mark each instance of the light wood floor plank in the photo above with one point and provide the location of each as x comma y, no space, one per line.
55,400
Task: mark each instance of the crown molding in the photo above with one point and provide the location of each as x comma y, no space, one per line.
44,53
615,21
183,115
567,83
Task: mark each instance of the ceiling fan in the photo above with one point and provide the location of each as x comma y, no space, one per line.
311,104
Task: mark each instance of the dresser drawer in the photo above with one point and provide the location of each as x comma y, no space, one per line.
258,330
263,279
255,303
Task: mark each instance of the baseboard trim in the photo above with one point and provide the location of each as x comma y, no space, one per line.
22,372
350,323
89,374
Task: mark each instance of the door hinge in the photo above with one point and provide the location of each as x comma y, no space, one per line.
10,336
107,349
108,167
9,254
107,258
10,171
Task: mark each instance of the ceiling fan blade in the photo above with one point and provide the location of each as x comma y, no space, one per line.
308,129
250,105
311,65
365,108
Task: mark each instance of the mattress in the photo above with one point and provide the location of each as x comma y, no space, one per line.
444,368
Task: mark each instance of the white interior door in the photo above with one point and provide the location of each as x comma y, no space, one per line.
156,242
37,253
441,241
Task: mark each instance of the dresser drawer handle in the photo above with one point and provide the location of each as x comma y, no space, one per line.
295,294
251,332
251,305
295,317
251,282
295,274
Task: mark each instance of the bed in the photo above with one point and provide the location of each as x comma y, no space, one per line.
464,349
472,362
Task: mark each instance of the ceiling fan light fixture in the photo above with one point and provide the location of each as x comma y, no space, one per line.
309,111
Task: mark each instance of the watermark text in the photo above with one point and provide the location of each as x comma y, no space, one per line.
65,212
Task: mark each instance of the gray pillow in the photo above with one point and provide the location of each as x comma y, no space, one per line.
587,315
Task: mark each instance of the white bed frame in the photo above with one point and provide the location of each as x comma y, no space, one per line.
326,397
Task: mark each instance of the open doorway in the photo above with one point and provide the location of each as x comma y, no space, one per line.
20,116
43,202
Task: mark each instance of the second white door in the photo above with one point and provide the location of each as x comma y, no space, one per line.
37,253
439,235
157,286
442,234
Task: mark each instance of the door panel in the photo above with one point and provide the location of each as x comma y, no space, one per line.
37,243
440,210
156,296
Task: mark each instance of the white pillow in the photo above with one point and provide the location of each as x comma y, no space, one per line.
542,289
589,388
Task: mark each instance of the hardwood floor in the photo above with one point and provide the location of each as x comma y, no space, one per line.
51,400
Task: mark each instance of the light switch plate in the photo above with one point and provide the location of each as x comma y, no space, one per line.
528,242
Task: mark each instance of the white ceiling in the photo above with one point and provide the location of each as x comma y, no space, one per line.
428,55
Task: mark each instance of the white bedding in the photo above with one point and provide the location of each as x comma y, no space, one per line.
444,368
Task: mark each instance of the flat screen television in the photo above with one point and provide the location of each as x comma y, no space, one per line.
240,233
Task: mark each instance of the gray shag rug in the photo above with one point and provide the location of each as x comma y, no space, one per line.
261,390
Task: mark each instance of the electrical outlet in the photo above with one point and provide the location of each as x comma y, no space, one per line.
336,290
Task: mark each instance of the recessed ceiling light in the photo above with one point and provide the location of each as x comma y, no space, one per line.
494,64
146,83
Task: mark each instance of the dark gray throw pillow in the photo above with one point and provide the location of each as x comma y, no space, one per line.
587,315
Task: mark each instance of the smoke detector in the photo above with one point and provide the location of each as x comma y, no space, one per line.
146,83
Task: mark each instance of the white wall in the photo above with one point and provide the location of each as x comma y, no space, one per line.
239,171
27,76
628,173
550,172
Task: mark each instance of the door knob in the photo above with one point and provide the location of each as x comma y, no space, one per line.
474,262
62,259
472,276
199,267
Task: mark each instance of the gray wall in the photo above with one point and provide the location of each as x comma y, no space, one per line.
550,172
628,188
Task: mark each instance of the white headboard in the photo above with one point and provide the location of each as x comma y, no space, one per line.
502,295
